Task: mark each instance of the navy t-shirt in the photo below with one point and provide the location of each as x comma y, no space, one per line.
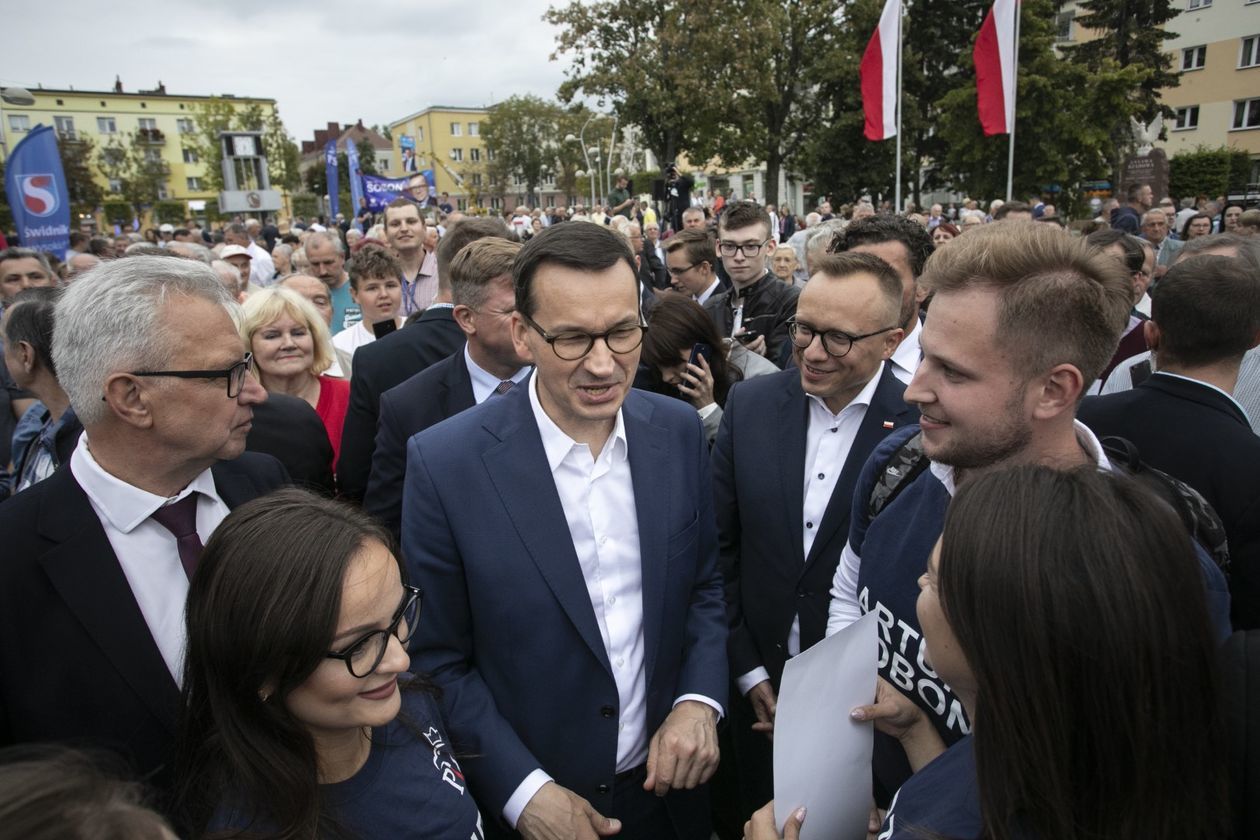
410,787
940,801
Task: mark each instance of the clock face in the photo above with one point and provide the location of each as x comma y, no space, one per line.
244,147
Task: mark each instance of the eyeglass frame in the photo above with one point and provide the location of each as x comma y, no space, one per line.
243,365
591,337
411,595
723,247
675,271
794,325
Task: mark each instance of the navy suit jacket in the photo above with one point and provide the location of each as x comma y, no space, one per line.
759,477
77,660
432,395
379,366
1193,432
509,632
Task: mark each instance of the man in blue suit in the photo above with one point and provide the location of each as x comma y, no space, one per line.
785,463
565,539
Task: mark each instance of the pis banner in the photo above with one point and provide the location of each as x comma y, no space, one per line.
36,187
381,191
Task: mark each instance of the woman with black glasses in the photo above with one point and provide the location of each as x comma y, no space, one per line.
300,718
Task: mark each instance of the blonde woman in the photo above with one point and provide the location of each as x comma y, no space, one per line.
292,350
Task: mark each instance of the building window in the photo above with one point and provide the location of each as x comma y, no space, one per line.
456,129
152,155
190,156
1247,113
496,204
474,154
115,185
1198,4
148,124
1193,58
489,154
106,125
457,154
19,122
163,192
185,126
1249,56
474,129
461,204
65,127
419,134
1187,118
476,179
194,184
1063,26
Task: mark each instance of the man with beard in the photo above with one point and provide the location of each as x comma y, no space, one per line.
1022,321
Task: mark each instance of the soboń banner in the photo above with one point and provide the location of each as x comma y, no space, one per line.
381,191
36,187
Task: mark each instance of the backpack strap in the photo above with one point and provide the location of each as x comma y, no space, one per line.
903,467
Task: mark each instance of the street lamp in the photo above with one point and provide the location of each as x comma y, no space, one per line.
581,138
14,96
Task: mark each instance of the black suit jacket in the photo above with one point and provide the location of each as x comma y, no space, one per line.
652,270
759,475
289,430
378,367
77,660
439,391
1193,432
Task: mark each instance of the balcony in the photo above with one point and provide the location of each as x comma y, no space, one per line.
152,136
67,135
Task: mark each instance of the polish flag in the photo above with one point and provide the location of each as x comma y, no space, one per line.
878,72
995,60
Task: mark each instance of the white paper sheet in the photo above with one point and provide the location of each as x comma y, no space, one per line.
822,757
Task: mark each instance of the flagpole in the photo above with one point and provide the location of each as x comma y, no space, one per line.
1010,160
897,189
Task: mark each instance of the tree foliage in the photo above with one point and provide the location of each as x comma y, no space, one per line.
85,191
218,114
1130,33
1208,172
136,165
522,140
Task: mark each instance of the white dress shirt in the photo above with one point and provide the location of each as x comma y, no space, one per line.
146,551
709,292
484,383
828,440
262,271
905,359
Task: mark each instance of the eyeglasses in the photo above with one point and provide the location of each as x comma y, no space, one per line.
572,346
364,656
750,249
235,375
834,342
675,271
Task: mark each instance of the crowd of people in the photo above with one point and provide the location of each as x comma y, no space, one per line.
429,525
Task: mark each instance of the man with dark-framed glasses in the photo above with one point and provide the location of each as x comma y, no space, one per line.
100,554
564,535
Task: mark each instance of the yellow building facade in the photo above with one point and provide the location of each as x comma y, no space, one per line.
161,121
448,141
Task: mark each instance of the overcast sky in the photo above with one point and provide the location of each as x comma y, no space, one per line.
321,61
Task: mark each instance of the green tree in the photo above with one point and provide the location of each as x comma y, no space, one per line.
136,165
525,144
1209,172
85,191
218,114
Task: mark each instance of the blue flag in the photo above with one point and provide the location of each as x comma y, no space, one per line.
36,187
330,169
356,177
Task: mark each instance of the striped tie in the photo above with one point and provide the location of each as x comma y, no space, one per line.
504,386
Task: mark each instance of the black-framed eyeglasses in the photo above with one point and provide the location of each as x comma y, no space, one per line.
363,656
750,249
235,375
572,346
675,271
834,342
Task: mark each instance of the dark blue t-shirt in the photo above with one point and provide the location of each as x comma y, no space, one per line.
410,787
940,801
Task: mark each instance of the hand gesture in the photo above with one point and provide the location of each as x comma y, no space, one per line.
684,752
557,813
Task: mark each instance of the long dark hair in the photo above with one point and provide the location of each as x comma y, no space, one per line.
262,613
1076,600
676,324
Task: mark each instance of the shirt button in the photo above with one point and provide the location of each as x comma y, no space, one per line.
833,430
821,476
621,727
620,662
607,711
809,524
612,599
603,540
603,788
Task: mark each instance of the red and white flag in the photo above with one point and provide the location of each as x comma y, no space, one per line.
878,72
995,59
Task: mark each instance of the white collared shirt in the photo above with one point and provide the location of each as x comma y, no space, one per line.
709,292
262,270
146,551
484,383
905,359
828,440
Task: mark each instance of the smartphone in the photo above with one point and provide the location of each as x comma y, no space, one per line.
383,328
748,336
698,350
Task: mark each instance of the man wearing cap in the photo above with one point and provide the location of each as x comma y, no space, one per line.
167,233
262,271
240,259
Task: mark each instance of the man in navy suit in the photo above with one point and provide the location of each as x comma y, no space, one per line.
481,287
786,459
565,540
1205,314
98,556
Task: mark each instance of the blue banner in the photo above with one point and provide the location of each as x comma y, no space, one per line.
381,191
36,187
330,170
356,176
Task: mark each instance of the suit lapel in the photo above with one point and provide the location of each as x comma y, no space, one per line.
792,419
85,572
517,466
653,500
457,393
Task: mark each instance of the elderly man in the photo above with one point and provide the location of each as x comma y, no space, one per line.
22,268
328,263
99,555
262,270
80,263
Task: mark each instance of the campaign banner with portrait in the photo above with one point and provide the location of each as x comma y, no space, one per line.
36,187
407,145
419,188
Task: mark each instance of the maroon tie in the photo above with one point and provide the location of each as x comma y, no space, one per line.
504,386
180,519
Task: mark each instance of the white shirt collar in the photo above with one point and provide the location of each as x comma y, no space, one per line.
1224,394
484,383
863,398
709,292
1085,437
557,444
123,504
908,352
